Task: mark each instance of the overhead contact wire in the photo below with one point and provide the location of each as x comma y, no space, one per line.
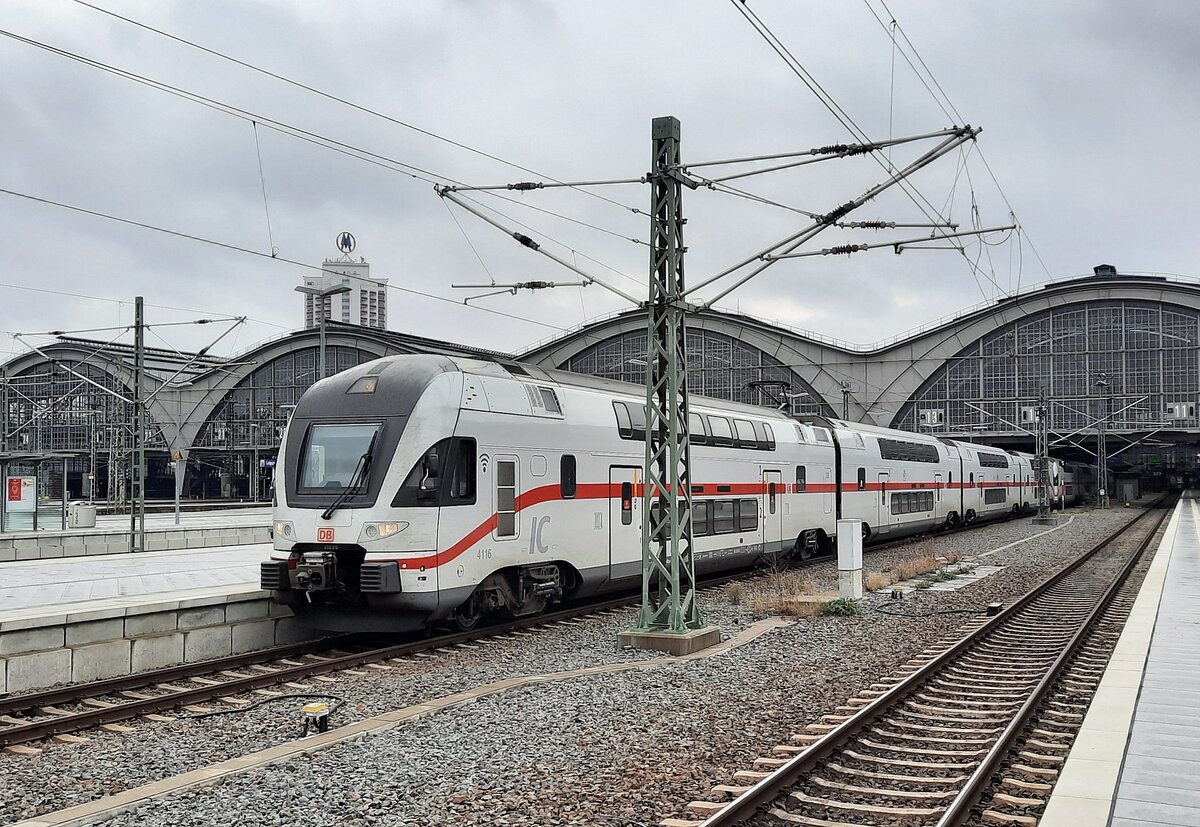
247,251
353,105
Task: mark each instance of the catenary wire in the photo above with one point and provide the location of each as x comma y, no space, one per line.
262,178
467,238
111,300
842,116
255,253
350,150
953,109
351,104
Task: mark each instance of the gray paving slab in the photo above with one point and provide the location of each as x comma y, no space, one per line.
1182,729
35,586
1143,742
1165,794
1156,811
1153,713
1160,779
1163,751
1172,697
212,518
1165,773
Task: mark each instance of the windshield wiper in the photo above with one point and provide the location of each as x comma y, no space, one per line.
357,478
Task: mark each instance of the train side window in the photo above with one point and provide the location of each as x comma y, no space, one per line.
862,479
566,468
747,515
821,435
720,431
697,432
506,498
638,414
462,472
760,435
770,437
699,519
626,503
972,481
423,487
801,478
745,434
550,400
624,423
722,517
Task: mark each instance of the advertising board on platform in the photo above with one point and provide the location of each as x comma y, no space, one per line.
20,494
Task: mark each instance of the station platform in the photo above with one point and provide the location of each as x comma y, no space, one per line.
196,529
86,618
35,586
1136,759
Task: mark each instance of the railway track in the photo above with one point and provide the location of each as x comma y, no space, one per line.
69,709
988,719
65,710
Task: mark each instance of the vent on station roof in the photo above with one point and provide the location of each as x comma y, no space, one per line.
1105,271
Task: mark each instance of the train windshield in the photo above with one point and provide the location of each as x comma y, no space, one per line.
332,454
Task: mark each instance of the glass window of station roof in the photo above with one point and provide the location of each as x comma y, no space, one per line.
1141,354
718,366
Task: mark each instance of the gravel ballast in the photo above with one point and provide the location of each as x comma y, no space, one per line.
615,749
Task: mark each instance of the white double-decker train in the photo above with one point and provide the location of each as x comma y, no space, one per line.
417,489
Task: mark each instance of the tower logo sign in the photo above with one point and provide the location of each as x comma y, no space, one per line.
345,242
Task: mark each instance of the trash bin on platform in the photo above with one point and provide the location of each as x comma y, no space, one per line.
81,515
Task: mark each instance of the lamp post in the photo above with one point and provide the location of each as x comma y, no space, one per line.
1101,444
254,461
319,297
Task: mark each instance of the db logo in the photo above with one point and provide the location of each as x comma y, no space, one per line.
324,535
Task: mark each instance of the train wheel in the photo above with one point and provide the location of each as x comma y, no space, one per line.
808,544
467,616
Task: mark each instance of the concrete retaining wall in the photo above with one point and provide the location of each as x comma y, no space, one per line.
41,651
47,544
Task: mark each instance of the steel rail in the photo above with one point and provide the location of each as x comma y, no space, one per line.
768,789
37,730
959,810
60,724
73,693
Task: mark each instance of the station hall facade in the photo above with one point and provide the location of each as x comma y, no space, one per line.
1110,351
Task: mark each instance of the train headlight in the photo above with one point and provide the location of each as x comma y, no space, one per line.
378,531
284,529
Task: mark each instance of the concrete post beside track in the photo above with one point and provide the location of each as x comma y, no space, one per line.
850,558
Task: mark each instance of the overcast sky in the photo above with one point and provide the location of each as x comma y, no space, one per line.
1088,109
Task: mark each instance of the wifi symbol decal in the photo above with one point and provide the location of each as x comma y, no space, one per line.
483,462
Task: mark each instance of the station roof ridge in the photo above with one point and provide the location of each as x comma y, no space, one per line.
882,345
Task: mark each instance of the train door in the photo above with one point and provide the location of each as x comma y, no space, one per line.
884,517
827,497
772,518
624,523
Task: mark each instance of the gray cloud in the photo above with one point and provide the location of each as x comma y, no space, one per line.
1087,113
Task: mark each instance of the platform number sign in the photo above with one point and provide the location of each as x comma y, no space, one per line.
324,535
